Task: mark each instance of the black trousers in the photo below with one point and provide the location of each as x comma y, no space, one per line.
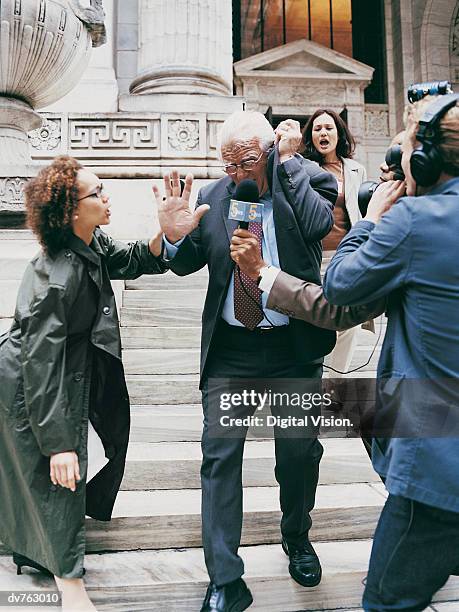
239,353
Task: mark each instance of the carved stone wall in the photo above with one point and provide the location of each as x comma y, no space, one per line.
134,144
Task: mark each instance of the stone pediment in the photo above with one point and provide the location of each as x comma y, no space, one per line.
303,59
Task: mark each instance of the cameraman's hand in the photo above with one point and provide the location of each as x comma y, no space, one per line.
383,198
65,469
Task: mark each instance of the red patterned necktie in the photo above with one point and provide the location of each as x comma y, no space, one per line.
245,308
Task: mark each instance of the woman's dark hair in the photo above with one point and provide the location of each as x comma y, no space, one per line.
51,197
346,142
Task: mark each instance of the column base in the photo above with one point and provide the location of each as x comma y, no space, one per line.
180,103
97,92
16,119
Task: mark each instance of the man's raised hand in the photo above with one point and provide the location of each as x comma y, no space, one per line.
174,214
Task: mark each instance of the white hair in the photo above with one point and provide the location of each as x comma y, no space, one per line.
245,125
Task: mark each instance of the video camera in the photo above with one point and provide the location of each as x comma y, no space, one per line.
415,92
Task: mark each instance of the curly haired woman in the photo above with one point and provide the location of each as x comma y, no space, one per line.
62,375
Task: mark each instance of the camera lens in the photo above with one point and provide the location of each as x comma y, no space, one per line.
394,162
366,192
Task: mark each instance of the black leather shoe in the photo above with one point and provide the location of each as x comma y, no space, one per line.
232,597
304,566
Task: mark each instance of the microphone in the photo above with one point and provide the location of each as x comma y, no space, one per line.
245,207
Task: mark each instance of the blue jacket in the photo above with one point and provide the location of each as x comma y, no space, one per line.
411,256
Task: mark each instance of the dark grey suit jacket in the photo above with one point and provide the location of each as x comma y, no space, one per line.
303,199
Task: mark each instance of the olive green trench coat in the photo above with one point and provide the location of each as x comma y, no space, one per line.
60,364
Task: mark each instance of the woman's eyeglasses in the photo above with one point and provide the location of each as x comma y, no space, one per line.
97,193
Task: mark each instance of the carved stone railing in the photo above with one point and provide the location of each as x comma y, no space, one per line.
123,145
139,144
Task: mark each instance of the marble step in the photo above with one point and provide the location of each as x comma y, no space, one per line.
198,280
164,298
174,316
183,423
176,465
171,519
176,580
186,361
149,520
161,389
136,337
166,423
160,337
178,389
170,316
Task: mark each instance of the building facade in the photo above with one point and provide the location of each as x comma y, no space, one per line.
154,96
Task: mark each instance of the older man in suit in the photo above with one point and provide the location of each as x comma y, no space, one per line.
243,338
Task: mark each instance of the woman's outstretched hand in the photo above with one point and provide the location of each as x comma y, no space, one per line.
65,469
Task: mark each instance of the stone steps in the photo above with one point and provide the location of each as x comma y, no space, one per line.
186,360
162,519
136,337
171,316
178,389
163,389
160,337
196,281
163,298
176,580
172,465
183,423
144,520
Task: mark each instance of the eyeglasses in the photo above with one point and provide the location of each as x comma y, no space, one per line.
246,165
98,193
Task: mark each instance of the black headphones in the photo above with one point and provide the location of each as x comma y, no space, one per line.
426,162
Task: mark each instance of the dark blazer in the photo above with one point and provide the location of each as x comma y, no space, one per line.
303,200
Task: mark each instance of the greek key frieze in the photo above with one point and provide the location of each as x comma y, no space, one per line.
117,134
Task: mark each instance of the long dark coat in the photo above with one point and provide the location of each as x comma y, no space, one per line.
60,363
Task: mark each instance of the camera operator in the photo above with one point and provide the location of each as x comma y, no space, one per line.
409,252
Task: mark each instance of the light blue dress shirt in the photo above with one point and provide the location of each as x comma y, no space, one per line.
270,256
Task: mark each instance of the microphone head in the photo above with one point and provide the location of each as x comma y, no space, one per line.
247,191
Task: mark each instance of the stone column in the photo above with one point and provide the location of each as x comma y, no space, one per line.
185,47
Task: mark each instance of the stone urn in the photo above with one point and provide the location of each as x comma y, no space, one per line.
45,46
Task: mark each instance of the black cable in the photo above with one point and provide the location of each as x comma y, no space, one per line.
370,357
325,366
